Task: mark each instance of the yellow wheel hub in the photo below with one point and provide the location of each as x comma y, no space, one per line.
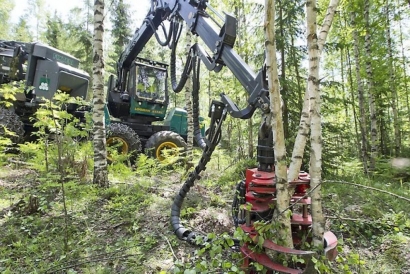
166,146
117,143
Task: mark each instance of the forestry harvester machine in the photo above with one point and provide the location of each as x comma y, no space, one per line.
136,111
255,197
44,70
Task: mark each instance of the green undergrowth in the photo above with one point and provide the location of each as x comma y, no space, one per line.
126,228
370,216
101,229
122,229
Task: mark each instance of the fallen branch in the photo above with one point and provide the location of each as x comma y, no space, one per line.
19,162
172,250
349,219
371,188
25,206
63,268
11,208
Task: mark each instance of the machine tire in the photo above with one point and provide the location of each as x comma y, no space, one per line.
165,140
126,137
10,120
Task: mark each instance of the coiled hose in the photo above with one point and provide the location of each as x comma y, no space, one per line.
182,232
218,114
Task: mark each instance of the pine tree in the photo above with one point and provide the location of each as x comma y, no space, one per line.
120,33
21,32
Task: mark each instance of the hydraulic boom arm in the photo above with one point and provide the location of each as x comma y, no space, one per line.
219,41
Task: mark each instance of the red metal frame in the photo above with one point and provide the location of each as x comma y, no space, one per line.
260,192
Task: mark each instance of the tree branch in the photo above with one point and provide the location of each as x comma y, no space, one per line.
371,188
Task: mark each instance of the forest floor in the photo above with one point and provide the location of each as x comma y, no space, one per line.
126,228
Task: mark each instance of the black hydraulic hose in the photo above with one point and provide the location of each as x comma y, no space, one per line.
177,86
182,232
168,35
176,33
195,103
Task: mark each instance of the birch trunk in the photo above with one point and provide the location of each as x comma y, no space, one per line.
274,119
318,220
394,103
360,89
372,100
304,124
100,152
188,105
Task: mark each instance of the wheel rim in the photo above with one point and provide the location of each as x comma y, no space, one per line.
166,146
119,143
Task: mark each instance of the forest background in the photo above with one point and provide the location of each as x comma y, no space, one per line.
365,113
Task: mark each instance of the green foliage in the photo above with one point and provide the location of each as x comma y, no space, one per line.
7,97
8,93
54,28
21,31
59,133
237,173
348,263
121,31
214,256
6,6
146,165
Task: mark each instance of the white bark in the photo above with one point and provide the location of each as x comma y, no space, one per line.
304,124
100,152
188,103
318,220
274,119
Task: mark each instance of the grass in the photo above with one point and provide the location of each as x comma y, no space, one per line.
126,228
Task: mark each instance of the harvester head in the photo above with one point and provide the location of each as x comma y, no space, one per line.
256,201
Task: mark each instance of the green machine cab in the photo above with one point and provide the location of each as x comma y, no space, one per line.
137,113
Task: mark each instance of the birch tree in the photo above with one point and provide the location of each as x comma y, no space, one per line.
274,120
318,221
304,124
311,117
100,152
188,105
403,64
